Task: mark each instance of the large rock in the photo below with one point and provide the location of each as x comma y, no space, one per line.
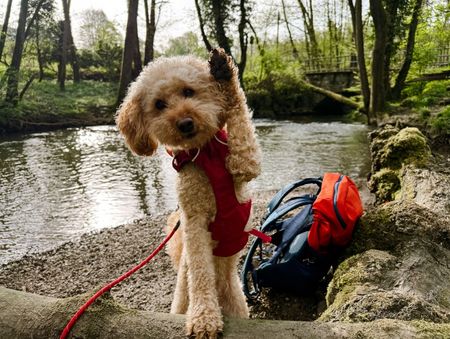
399,262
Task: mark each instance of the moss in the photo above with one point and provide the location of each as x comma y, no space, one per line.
430,330
407,146
384,183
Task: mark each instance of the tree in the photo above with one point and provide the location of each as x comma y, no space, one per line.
67,49
358,30
130,67
310,33
150,23
5,27
23,29
12,90
403,73
92,26
378,96
186,44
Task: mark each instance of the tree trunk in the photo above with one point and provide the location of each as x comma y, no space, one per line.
404,70
39,54
219,25
65,43
308,21
12,90
26,315
358,30
150,24
4,31
202,27
129,50
378,97
294,49
74,57
243,41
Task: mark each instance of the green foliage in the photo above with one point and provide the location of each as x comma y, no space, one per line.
441,122
425,94
188,43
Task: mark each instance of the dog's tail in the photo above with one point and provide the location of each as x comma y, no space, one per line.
175,246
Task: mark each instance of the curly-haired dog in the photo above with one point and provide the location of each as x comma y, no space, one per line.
185,103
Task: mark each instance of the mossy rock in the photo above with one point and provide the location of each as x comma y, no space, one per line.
384,183
408,146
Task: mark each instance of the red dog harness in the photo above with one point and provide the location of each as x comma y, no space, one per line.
231,216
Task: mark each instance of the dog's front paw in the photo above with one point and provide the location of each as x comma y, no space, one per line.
221,65
205,325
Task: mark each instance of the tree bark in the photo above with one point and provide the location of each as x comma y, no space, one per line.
128,56
26,315
358,30
378,97
150,24
404,70
202,27
4,31
12,90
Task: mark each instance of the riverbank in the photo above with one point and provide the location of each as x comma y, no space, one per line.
44,107
97,258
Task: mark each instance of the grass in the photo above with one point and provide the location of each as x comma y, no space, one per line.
44,103
46,97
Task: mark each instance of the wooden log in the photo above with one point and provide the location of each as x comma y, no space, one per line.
26,315
335,96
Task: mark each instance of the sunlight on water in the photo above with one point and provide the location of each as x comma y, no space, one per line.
56,186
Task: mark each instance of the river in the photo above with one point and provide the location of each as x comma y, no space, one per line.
55,186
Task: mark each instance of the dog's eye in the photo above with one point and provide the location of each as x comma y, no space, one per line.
188,92
159,104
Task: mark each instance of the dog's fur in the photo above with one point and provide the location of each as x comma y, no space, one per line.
207,286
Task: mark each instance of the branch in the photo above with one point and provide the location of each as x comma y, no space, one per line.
34,316
30,24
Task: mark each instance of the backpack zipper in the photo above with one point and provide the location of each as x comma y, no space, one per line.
335,196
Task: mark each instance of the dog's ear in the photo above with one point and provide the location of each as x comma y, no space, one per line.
130,123
221,65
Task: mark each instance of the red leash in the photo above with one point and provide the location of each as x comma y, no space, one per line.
83,308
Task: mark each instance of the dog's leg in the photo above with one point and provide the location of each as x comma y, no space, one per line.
180,298
231,297
204,319
245,155
196,198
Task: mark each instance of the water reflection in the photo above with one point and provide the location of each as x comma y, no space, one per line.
55,186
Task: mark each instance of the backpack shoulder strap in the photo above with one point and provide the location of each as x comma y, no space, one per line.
285,208
276,200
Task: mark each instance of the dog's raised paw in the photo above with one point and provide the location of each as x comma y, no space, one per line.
221,65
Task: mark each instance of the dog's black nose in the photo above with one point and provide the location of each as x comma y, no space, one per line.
186,125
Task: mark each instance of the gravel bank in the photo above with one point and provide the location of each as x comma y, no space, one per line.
97,258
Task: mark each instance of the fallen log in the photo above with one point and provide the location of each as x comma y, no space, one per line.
26,315
333,95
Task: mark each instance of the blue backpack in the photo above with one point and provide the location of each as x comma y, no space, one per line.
306,233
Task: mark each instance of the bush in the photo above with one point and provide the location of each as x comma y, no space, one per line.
441,122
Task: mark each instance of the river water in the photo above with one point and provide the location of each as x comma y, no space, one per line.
55,186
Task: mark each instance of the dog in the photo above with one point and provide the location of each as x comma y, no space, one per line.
185,104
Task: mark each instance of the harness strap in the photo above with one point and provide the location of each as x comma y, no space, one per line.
264,237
